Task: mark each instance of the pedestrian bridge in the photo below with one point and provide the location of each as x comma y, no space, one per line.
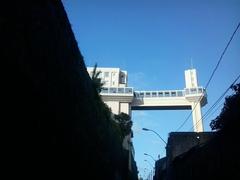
156,100
188,98
168,100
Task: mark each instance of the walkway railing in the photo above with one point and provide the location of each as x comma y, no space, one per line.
169,93
152,94
117,90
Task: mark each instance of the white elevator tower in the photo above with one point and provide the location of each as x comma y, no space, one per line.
192,84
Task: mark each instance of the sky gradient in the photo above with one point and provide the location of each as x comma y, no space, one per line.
154,41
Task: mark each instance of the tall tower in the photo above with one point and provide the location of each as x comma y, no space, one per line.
191,78
196,100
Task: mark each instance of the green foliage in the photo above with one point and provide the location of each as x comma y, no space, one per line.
230,114
125,123
96,80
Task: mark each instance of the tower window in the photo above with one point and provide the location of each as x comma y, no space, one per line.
106,74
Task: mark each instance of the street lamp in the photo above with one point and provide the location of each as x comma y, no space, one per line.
149,163
145,129
150,156
152,171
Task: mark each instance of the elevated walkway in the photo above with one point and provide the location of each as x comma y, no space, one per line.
189,98
168,100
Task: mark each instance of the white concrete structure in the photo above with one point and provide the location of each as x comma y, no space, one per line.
111,77
191,78
121,98
115,92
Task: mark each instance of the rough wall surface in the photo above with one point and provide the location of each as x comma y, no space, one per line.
54,125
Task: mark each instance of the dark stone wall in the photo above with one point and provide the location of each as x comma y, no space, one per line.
217,159
181,142
160,169
53,122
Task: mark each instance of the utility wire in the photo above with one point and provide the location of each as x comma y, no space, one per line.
222,56
220,105
210,114
218,100
220,59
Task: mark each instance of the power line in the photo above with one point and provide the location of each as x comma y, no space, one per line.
208,82
184,122
220,105
222,56
218,100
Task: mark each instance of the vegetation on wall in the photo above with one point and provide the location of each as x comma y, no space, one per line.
55,122
230,114
121,122
97,84
125,123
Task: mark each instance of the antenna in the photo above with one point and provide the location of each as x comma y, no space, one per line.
191,64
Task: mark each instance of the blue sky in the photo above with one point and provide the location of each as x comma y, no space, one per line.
155,40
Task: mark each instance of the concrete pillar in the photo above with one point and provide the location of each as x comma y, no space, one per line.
197,117
114,106
124,107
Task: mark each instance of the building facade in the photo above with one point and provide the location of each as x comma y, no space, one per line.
115,92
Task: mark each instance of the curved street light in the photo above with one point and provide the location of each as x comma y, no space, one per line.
150,156
145,129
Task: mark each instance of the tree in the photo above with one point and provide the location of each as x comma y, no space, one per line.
96,80
125,123
230,114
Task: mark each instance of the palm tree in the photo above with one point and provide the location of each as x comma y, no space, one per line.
98,85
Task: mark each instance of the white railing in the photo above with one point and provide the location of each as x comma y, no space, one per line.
169,93
153,94
117,90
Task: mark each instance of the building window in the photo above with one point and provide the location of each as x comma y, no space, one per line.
173,94
106,83
200,90
154,94
120,90
179,93
122,78
193,90
113,90
104,90
166,94
106,74
147,94
128,90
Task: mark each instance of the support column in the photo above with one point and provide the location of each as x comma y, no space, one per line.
197,117
124,107
114,106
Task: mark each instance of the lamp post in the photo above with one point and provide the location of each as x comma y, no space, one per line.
149,163
150,156
152,171
145,172
145,129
